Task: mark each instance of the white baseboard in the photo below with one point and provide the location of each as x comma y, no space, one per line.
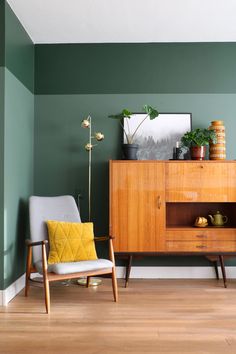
175,272
9,293
136,272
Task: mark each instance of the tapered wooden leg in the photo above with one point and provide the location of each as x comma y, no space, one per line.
47,295
114,285
28,268
128,269
114,280
216,270
45,279
87,282
221,258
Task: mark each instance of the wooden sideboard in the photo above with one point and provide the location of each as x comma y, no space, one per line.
153,206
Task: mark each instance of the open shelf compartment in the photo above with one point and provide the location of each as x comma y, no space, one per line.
183,215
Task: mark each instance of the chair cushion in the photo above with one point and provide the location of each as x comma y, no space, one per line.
70,242
76,267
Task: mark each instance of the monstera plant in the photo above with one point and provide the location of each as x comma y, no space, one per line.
130,149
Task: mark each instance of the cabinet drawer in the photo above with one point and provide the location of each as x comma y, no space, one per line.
201,234
201,246
200,182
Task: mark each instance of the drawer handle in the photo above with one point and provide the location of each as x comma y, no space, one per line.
159,202
201,246
201,236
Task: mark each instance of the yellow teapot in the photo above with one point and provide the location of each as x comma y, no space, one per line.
218,219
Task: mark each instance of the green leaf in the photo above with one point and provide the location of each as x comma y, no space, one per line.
199,137
124,114
152,112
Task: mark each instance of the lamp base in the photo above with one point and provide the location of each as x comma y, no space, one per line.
92,281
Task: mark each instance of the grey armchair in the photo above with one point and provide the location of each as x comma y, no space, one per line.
62,208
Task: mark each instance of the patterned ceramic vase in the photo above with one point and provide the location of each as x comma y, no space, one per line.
218,151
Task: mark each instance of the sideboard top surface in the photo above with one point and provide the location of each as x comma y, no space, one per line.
173,161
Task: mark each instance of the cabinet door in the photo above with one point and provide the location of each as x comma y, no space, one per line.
207,181
137,206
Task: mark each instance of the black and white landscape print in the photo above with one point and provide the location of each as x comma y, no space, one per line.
157,138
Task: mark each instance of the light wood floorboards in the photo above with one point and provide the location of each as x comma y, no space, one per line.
152,316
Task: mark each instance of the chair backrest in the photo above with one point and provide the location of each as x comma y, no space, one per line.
41,209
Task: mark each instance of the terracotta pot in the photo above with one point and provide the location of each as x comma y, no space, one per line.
130,151
198,152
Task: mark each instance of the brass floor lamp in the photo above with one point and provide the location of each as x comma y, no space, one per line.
87,124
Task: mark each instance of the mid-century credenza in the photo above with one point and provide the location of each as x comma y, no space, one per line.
153,206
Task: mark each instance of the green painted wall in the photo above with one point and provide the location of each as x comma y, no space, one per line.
2,32
19,50
2,57
72,81
136,68
18,174
16,145
2,84
61,163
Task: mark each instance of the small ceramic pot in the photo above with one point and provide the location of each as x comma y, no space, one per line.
198,152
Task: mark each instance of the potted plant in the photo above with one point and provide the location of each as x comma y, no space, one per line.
130,148
197,140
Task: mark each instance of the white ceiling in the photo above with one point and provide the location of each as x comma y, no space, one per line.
101,21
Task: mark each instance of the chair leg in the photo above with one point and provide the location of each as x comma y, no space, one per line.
28,269
47,295
114,285
45,279
114,281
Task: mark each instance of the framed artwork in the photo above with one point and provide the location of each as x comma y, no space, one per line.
158,137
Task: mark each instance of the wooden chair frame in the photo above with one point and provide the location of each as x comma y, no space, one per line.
50,277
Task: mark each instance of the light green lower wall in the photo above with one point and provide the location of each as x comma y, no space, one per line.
61,163
2,76
18,173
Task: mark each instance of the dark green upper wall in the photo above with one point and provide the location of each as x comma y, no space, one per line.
2,32
19,50
135,68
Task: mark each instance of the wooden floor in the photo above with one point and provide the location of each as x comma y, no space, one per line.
152,316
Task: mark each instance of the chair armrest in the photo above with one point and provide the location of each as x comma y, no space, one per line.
103,238
30,243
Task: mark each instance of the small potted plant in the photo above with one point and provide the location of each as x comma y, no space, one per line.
197,140
130,148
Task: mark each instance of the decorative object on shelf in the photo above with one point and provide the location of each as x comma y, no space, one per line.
197,140
87,124
130,151
218,150
218,219
177,151
130,146
201,222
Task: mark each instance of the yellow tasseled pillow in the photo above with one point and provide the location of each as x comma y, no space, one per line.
70,242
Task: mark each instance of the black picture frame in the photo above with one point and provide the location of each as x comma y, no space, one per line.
158,138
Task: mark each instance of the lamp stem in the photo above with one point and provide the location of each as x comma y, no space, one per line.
90,168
